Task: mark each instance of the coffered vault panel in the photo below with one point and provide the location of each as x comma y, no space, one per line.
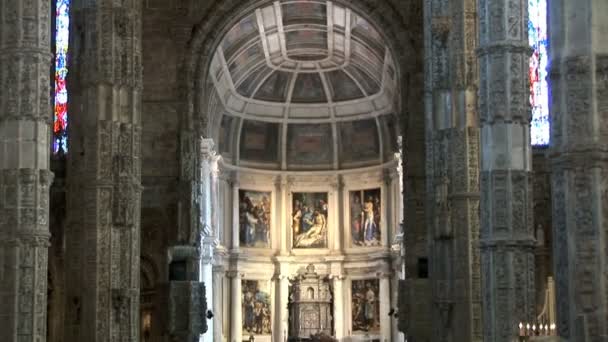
304,85
283,57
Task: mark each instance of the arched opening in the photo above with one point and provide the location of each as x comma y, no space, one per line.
304,101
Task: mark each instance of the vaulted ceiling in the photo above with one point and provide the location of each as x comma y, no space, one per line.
283,58
304,85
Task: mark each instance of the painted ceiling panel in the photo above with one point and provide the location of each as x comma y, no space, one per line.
308,89
343,87
274,88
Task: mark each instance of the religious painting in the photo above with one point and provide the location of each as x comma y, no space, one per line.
309,144
256,306
365,217
309,220
366,306
254,219
359,141
259,141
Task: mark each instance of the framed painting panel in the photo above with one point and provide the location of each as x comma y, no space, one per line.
256,307
365,300
365,212
254,218
309,219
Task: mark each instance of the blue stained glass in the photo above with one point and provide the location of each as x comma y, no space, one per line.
60,122
539,86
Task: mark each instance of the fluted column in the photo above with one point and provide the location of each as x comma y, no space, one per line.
236,322
453,168
507,237
25,178
104,172
579,136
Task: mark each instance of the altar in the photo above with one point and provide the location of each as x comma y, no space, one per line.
310,307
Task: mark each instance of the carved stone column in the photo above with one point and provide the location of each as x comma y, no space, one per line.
218,302
283,313
104,172
236,322
453,169
207,227
25,114
507,234
338,296
579,136
337,200
285,184
385,306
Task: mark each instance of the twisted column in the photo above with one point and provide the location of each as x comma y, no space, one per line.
25,178
579,157
507,236
104,172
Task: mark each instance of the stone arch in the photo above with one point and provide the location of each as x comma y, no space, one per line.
206,36
149,273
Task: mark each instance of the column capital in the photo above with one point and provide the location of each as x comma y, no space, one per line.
339,277
284,181
207,150
337,183
234,274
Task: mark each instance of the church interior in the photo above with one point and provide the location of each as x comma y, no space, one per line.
303,170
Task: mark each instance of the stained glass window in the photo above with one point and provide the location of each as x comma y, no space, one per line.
539,87
60,122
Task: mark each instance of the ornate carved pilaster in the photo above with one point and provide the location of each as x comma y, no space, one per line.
579,135
507,236
207,228
453,169
104,172
25,178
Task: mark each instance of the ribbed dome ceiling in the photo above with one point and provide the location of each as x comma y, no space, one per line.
284,58
304,85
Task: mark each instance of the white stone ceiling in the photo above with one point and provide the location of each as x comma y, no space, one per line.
297,61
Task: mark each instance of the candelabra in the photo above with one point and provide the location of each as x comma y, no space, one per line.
527,330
